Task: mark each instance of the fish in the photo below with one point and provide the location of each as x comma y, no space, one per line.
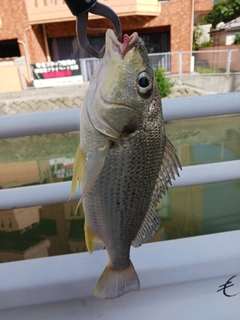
124,161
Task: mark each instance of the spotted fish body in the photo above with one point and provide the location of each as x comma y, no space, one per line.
128,161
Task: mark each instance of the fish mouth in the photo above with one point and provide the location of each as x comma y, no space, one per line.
129,42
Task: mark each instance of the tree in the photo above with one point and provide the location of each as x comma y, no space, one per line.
237,39
223,11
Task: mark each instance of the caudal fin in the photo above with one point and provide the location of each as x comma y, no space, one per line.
113,283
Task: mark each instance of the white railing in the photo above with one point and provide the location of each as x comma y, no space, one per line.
61,287
60,192
67,120
194,63
199,62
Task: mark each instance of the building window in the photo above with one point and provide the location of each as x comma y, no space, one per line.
9,48
68,47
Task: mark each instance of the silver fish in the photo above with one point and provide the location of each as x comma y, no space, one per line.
125,162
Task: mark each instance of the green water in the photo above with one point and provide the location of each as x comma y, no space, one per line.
184,212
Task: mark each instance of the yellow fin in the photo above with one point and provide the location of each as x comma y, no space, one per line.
93,168
77,170
92,241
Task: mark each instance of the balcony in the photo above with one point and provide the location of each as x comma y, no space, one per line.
45,11
201,8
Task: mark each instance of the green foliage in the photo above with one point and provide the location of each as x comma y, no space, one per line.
237,39
197,35
164,84
205,69
223,11
207,43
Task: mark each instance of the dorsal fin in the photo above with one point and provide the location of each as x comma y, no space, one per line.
168,168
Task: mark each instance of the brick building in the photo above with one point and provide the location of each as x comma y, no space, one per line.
164,25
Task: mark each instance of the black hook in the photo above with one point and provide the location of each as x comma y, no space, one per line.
80,9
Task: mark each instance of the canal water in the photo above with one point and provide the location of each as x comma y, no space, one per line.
27,233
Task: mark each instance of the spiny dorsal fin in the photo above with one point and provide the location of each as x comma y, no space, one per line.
168,169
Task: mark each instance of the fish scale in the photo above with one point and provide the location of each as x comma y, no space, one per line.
136,195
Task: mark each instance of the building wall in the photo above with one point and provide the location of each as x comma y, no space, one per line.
19,173
175,15
14,21
18,218
219,38
230,37
220,59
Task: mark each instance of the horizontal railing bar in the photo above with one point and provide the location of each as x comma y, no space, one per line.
68,120
59,192
201,106
28,124
188,52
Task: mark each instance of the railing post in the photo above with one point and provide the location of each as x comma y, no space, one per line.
180,65
229,56
84,69
21,77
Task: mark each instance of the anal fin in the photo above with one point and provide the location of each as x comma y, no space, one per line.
149,226
93,243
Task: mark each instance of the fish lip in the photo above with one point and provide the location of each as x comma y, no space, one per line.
122,48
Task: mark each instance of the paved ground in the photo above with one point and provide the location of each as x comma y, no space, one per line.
33,100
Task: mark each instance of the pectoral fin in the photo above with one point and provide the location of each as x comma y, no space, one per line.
77,170
93,168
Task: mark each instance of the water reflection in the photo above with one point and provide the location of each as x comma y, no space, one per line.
27,233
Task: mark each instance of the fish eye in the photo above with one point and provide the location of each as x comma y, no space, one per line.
144,82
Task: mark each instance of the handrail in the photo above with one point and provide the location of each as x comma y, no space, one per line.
60,191
68,120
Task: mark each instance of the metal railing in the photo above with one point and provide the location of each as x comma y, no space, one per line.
68,120
199,62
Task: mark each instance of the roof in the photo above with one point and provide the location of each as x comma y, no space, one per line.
228,26
232,24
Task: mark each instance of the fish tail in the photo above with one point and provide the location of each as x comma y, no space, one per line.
114,283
